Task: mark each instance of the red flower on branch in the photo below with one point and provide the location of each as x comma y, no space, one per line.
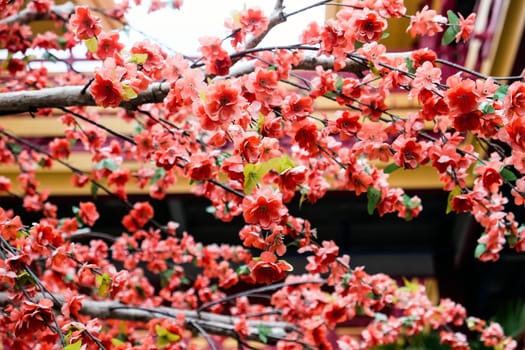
267,269
264,207
88,213
369,26
84,24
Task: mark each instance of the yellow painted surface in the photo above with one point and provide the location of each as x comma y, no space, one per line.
24,126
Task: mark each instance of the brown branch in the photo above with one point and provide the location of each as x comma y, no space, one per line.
67,96
277,17
27,16
209,322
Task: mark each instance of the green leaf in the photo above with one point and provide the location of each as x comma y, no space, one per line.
511,239
508,174
129,93
330,94
486,108
374,197
390,168
165,277
165,337
409,204
75,346
263,332
480,249
158,175
339,83
453,19
104,283
252,176
253,173
501,93
410,65
25,278
106,163
304,195
385,35
243,270
456,191
117,342
91,44
139,58
14,148
62,42
219,160
94,189
449,35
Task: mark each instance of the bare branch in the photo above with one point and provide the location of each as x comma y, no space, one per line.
27,16
202,321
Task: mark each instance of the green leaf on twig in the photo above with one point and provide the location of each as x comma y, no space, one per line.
75,346
456,191
374,197
91,44
452,30
507,174
480,249
263,332
104,283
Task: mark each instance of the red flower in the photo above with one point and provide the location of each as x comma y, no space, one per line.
139,216
84,24
5,184
306,137
224,101
268,269
264,207
515,99
470,121
516,132
200,167
155,61
250,147
218,61
253,21
106,92
491,179
461,96
88,213
297,107
369,26
347,124
466,27
59,148
108,44
426,22
409,153
119,177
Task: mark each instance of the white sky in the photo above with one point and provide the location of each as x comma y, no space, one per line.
181,29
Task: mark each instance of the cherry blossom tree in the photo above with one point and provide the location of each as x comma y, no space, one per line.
240,123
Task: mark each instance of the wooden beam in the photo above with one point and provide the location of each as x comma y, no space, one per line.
507,46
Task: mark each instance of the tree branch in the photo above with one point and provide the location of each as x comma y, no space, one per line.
67,96
27,16
209,322
277,17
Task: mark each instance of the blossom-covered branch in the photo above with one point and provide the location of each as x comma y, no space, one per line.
211,323
31,14
66,96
